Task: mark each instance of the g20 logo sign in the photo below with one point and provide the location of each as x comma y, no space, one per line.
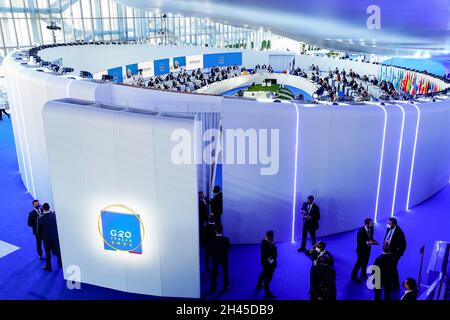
121,231
221,60
120,234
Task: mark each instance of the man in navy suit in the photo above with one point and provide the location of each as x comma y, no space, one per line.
311,217
33,216
48,231
364,243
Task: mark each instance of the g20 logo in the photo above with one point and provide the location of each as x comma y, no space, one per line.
221,60
121,231
120,234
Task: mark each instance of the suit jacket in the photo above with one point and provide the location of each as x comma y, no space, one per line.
315,215
268,250
398,241
47,228
32,219
216,204
361,241
386,263
220,246
315,255
203,212
409,296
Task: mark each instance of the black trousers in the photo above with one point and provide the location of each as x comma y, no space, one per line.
361,263
51,246
387,292
217,219
207,260
215,271
312,232
265,277
38,245
396,280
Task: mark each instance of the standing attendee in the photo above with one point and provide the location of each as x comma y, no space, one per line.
311,217
210,234
396,240
364,242
217,205
318,250
410,294
268,263
323,280
203,215
386,263
33,216
220,246
48,231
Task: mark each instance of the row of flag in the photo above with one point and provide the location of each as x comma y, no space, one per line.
407,81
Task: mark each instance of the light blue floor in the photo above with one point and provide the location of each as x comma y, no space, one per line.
21,276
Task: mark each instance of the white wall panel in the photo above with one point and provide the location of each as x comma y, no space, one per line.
101,157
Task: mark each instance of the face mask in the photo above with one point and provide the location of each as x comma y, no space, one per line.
388,226
36,207
318,250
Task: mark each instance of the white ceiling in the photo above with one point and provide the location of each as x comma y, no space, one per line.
408,27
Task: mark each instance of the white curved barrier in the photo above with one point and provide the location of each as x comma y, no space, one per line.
359,161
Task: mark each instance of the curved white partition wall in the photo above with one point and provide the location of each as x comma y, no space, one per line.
366,160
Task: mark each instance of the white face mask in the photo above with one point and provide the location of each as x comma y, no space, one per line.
388,226
318,250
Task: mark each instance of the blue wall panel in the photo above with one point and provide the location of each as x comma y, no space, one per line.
222,59
181,61
132,67
161,66
117,74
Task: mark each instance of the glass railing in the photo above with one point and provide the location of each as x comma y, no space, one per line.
437,272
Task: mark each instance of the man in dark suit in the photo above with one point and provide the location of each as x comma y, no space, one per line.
410,294
323,280
396,240
220,246
311,217
48,231
217,205
203,215
386,263
210,234
33,216
268,263
364,242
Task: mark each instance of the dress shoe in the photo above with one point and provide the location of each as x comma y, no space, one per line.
40,258
47,269
301,250
258,287
269,295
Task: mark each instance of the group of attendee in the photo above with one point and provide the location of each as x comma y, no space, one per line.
322,273
187,81
215,244
42,222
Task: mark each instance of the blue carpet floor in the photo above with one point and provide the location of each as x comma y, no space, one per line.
21,276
